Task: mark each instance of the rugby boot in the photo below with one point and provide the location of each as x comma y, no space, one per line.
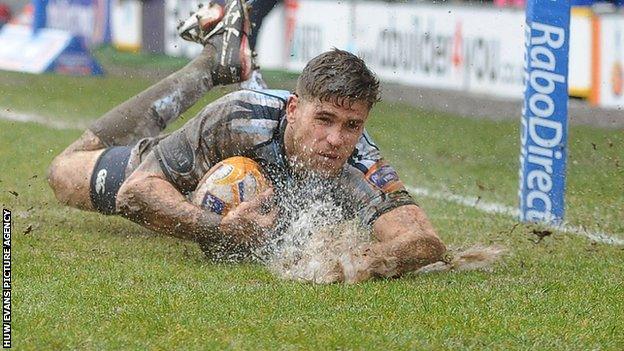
230,38
200,23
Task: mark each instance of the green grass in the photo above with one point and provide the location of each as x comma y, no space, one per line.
109,57
87,281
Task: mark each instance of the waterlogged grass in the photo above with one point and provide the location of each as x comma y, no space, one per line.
87,281
73,98
480,158
84,99
110,58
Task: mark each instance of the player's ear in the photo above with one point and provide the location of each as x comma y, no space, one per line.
291,108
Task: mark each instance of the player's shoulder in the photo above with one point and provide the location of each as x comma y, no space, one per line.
279,94
246,119
267,101
365,155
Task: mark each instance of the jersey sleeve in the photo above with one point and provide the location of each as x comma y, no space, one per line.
231,126
374,184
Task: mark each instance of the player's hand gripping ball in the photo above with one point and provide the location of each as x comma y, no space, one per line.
229,183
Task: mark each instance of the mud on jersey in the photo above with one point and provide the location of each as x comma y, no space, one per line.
251,124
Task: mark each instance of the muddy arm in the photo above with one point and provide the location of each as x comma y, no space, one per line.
150,200
406,242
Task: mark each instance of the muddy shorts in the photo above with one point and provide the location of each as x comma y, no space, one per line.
108,175
112,168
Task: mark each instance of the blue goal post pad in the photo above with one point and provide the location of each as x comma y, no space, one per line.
544,128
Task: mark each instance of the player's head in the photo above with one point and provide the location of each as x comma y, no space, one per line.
326,115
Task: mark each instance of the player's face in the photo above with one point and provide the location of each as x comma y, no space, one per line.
322,135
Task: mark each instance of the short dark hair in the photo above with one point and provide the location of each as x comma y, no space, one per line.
340,77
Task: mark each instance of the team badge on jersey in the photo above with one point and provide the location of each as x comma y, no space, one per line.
383,176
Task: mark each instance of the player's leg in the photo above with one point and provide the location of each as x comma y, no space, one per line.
144,115
226,59
70,172
149,112
259,10
82,168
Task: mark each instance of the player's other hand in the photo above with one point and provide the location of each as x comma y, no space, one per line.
250,221
366,264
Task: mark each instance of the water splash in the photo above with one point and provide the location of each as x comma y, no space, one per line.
318,237
316,246
312,247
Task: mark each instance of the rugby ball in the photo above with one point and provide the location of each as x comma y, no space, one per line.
229,183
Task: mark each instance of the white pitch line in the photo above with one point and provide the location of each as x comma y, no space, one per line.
493,207
8,114
468,201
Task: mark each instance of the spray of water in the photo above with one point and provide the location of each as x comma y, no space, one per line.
312,247
319,238
316,246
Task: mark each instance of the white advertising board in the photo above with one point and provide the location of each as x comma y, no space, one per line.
611,68
126,24
478,50
318,27
85,18
292,35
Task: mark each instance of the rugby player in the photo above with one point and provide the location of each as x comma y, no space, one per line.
122,164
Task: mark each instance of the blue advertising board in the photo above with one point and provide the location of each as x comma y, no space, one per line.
544,129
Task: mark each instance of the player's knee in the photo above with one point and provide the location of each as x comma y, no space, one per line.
69,176
66,180
56,179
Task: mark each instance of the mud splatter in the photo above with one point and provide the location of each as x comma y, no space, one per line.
475,258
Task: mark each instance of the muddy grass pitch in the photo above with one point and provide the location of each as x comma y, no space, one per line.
86,281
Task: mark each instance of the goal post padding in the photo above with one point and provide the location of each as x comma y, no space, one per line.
544,128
